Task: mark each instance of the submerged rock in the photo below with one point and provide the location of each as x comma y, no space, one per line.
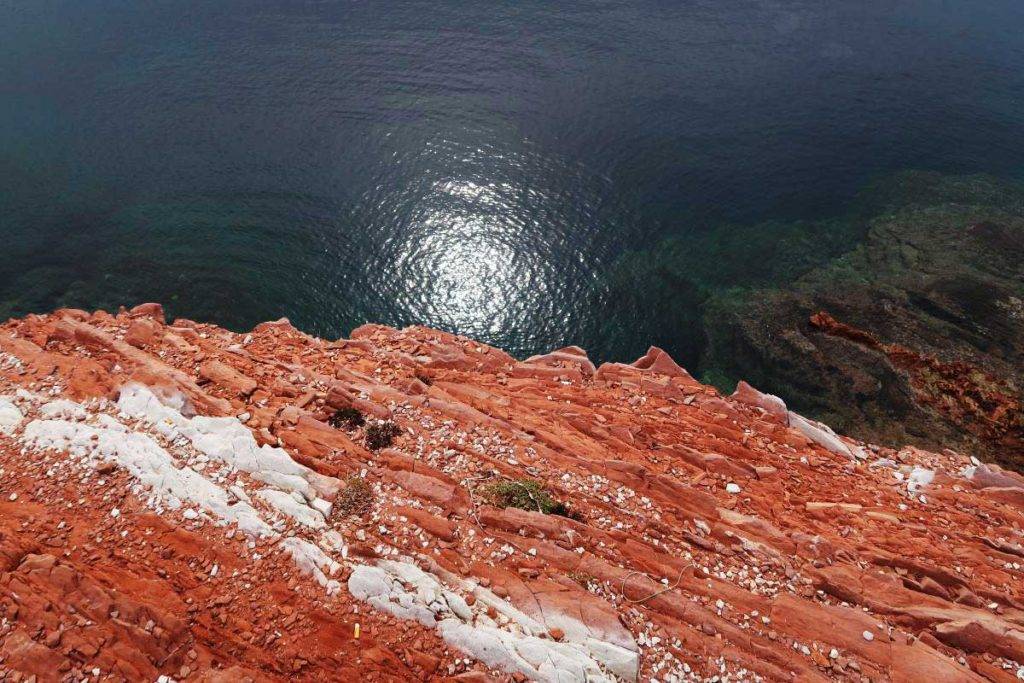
902,321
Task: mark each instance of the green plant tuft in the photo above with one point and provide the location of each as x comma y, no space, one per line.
526,494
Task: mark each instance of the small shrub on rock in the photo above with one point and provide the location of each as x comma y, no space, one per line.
526,494
381,434
346,418
581,577
356,498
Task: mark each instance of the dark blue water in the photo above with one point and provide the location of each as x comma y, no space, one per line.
475,166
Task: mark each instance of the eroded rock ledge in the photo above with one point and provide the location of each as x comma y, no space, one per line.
184,502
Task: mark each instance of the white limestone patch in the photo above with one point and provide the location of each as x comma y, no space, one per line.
107,422
823,435
381,589
148,462
408,592
618,655
287,504
88,435
537,658
227,440
10,416
919,478
622,661
63,408
311,560
10,362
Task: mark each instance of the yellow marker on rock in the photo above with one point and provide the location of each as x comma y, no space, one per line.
357,630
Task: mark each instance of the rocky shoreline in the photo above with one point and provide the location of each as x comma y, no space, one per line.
180,502
923,278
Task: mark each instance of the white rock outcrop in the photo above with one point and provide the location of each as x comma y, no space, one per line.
514,643
10,416
227,440
823,435
310,559
148,462
91,436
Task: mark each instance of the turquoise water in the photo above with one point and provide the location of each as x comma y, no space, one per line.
479,167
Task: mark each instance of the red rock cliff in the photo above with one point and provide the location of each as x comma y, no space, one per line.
184,503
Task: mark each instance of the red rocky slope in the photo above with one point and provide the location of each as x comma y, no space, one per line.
966,395
176,504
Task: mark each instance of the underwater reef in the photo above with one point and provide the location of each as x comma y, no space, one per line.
901,321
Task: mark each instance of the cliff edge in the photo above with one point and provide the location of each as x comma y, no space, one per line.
179,502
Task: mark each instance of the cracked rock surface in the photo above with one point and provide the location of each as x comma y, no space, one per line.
181,502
